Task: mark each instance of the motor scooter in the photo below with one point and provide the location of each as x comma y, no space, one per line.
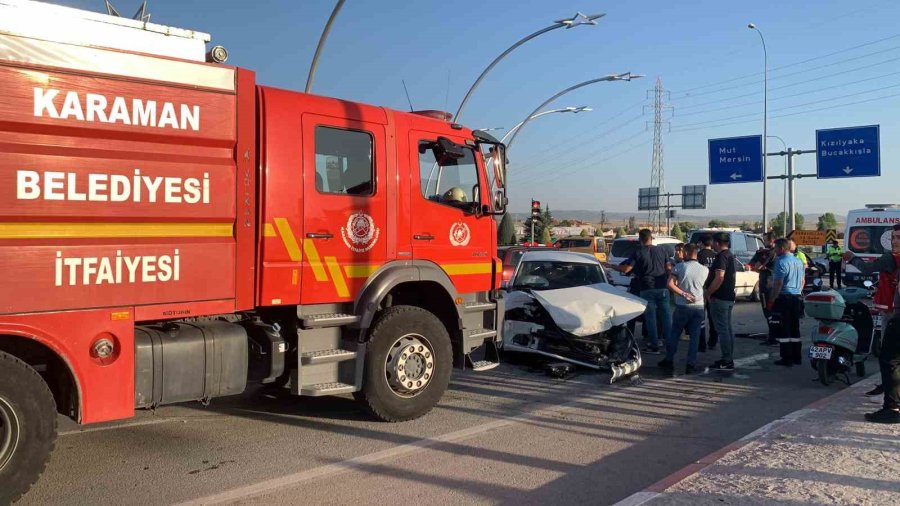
844,335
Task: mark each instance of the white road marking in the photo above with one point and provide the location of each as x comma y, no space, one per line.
294,479
638,498
752,359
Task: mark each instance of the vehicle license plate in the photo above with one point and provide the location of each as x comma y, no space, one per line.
820,352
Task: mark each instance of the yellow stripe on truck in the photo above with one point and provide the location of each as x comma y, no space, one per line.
340,284
463,269
113,230
287,237
360,271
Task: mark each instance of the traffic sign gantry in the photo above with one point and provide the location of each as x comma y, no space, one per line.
736,160
848,152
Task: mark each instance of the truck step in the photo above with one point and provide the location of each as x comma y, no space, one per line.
320,389
326,356
314,321
479,307
483,365
480,333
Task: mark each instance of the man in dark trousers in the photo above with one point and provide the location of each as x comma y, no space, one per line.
721,297
648,264
834,254
763,262
706,256
785,303
889,358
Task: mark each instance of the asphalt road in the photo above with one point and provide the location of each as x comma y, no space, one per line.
508,436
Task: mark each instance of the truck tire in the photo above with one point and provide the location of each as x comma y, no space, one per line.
408,363
27,427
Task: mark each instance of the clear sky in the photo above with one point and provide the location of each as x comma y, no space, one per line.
832,63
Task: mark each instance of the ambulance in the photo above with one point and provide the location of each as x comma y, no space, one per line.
868,236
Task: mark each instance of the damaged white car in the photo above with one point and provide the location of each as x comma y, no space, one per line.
560,305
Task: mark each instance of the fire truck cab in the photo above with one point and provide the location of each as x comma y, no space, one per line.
170,231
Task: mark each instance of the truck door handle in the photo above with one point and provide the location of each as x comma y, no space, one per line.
423,237
323,235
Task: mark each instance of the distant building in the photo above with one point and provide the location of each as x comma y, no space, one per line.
571,231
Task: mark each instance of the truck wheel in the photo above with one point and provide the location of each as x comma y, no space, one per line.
408,364
27,427
826,371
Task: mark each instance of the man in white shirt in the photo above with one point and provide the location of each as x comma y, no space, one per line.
686,284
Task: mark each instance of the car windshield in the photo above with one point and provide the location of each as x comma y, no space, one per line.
870,240
624,249
552,275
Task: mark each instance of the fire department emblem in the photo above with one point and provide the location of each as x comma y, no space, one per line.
459,234
360,234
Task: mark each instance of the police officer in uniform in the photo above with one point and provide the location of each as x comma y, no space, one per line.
835,256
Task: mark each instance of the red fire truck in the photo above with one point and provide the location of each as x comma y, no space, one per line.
170,231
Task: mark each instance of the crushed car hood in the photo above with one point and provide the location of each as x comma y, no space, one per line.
584,310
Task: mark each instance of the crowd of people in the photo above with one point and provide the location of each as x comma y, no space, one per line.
694,293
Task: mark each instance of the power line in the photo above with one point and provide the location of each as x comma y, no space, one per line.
545,154
754,74
806,92
756,116
543,160
827,65
799,105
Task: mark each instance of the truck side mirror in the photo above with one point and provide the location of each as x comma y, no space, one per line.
500,202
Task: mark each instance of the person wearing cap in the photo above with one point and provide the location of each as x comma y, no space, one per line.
835,255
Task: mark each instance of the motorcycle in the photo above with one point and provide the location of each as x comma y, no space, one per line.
845,333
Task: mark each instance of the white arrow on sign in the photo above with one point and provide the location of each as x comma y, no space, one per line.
848,169
735,176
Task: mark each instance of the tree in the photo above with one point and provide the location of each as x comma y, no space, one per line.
547,219
620,232
777,224
565,223
745,226
583,233
827,222
677,233
602,221
717,223
632,225
545,236
687,226
506,233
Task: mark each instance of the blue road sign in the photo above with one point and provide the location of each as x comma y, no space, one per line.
848,152
736,160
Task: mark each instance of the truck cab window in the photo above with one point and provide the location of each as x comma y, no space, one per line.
446,180
344,162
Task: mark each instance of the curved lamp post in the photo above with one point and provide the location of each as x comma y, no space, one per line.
576,20
315,61
574,110
765,116
627,76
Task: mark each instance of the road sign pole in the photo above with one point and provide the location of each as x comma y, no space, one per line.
791,203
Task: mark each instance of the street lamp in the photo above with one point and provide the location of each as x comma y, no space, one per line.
627,76
315,60
765,114
574,110
576,20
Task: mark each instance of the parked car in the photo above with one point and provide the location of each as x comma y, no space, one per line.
743,244
746,282
509,256
623,247
560,305
593,245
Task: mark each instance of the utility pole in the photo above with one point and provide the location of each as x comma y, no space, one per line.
790,153
657,172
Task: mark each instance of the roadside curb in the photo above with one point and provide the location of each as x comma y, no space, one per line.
658,489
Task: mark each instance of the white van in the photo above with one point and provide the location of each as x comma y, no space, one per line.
743,244
868,235
623,247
